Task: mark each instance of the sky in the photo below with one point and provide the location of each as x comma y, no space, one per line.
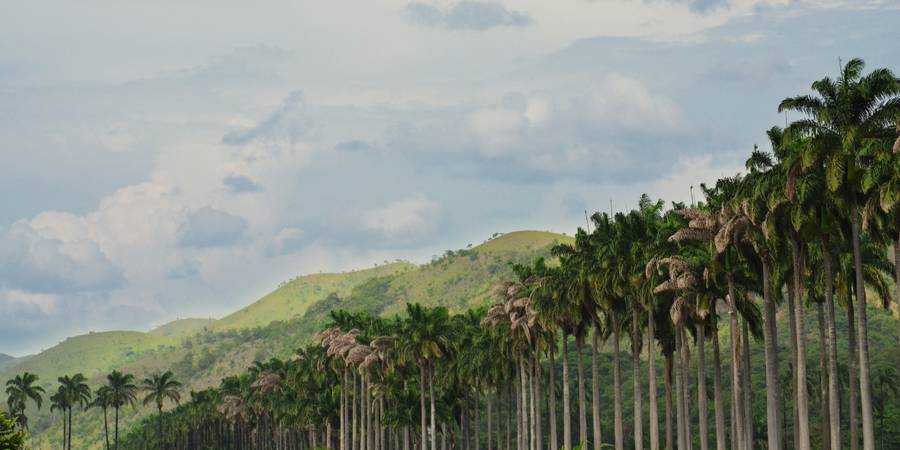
173,159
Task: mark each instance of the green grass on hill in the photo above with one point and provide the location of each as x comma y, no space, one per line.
294,297
181,327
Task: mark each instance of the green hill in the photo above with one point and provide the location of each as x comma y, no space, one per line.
6,360
202,352
294,297
180,327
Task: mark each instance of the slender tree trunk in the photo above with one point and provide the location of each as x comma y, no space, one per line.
551,398
619,429
679,393
897,264
431,399
105,428
824,376
536,396
701,388
651,380
862,329
737,420
159,411
423,415
354,422
477,430
802,394
748,388
595,387
509,408
582,399
718,399
667,382
567,407
344,403
636,378
852,373
834,395
770,338
792,321
686,388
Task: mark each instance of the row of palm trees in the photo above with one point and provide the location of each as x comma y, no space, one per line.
803,231
118,390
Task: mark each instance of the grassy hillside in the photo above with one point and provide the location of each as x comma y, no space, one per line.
181,327
294,297
277,324
6,360
90,354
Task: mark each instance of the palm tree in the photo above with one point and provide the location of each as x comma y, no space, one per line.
841,117
103,400
160,387
122,391
59,402
76,392
19,390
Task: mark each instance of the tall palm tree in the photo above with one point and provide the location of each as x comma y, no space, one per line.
103,401
122,391
76,392
840,117
19,391
158,388
59,402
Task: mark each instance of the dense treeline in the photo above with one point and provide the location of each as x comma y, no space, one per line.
802,233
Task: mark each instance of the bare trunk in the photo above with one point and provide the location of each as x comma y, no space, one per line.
679,394
737,399
792,322
686,388
748,388
490,418
536,396
800,316
422,387
701,388
667,381
431,399
477,430
582,400
595,387
551,398
852,373
651,381
636,378
718,400
567,407
824,377
834,394
354,423
862,329
770,336
617,392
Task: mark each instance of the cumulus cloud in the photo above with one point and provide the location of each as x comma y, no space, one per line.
240,184
467,15
286,121
37,263
412,216
759,71
208,227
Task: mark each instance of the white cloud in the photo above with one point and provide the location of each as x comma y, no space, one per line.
413,216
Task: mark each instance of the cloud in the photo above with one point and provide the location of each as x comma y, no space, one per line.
287,121
33,262
287,240
413,216
208,227
241,184
355,145
467,15
759,71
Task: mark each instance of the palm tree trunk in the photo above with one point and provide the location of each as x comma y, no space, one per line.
667,382
862,329
582,399
117,428
423,416
651,381
802,395
354,419
701,388
567,407
551,398
619,429
852,373
364,410
636,378
686,388
105,428
431,399
490,421
897,264
737,400
523,402
536,396
748,389
509,407
718,399
159,410
792,322
69,428
595,387
834,395
477,430
824,376
679,397
344,403
770,337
